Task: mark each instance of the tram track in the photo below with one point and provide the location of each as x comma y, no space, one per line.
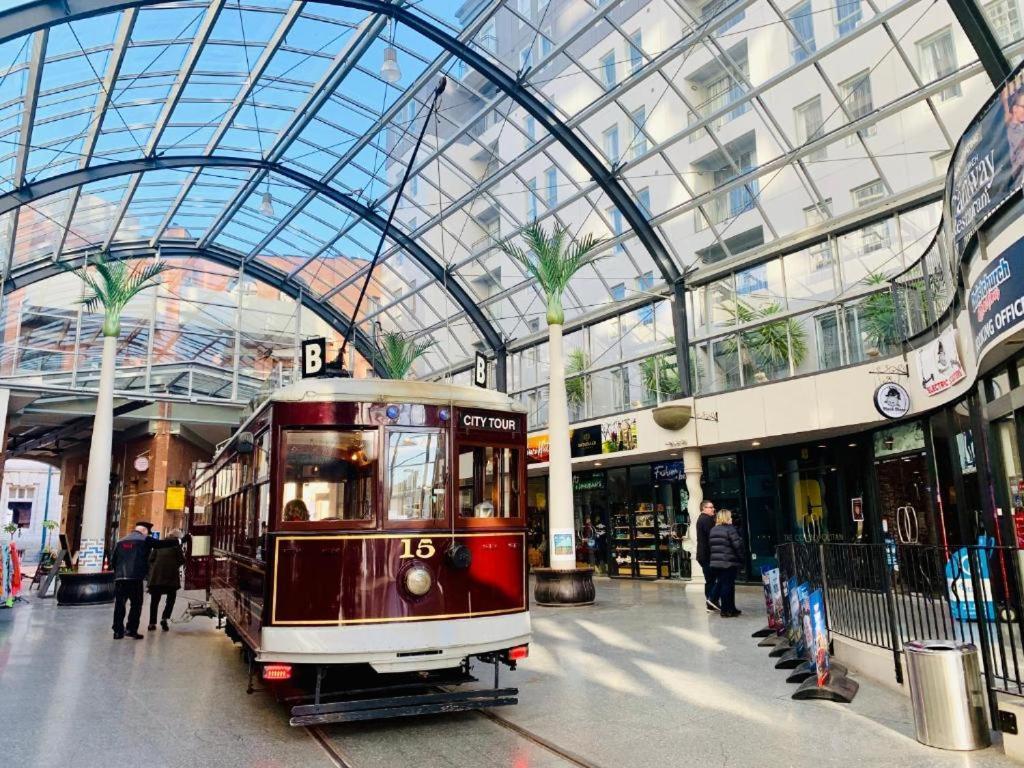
341,760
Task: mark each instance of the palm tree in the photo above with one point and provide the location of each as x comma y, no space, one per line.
552,258
110,287
660,377
397,353
878,319
576,384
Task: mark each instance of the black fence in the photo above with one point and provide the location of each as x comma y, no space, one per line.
885,595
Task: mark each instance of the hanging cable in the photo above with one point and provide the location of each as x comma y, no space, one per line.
387,226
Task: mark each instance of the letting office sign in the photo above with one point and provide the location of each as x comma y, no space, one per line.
996,298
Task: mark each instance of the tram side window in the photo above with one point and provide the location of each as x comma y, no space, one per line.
416,475
329,475
488,482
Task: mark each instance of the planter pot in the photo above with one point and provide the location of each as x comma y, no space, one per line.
563,588
86,588
872,352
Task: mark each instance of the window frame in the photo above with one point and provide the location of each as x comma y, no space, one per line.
278,481
443,522
458,520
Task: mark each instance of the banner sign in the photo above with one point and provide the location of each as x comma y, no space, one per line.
667,471
987,163
773,598
938,362
819,631
538,448
618,435
796,629
962,583
804,596
585,441
995,299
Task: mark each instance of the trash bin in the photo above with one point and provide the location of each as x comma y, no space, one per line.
947,694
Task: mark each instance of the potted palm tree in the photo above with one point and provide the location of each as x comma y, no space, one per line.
109,285
878,316
397,353
552,258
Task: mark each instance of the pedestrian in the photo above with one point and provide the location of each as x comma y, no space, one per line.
165,560
130,562
726,553
705,522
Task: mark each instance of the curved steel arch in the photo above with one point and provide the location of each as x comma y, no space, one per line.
40,14
76,178
30,274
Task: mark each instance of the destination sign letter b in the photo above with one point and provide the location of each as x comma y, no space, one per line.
480,371
314,355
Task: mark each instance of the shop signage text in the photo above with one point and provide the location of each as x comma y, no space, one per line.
996,298
892,400
667,471
585,441
538,449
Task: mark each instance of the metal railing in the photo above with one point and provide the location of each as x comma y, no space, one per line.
888,594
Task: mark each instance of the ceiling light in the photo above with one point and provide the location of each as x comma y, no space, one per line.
852,445
756,443
267,205
597,463
389,69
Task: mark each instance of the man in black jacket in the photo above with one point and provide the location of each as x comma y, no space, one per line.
705,522
130,561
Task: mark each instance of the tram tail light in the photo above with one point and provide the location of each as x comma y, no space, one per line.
277,672
519,652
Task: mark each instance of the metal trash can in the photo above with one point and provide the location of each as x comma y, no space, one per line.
947,694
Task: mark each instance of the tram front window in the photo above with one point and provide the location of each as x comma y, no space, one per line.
488,482
328,475
416,475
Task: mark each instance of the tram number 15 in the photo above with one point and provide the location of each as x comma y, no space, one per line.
424,549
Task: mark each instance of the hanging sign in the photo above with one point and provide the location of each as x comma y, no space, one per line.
314,357
141,463
480,370
996,297
938,362
892,400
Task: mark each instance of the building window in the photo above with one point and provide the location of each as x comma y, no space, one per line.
618,292
611,145
809,125
616,218
639,142
531,131
608,69
1004,18
525,56
940,163
848,16
723,91
414,185
740,198
874,237
715,9
643,197
869,193
644,283
936,56
489,38
636,54
551,186
531,200
856,94
802,43
19,503
820,254
545,43
524,9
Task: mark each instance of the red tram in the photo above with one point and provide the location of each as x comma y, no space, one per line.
370,529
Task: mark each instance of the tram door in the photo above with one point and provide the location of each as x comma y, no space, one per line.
199,538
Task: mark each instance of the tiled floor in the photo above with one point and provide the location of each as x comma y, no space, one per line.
643,678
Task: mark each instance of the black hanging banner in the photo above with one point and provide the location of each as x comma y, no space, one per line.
480,370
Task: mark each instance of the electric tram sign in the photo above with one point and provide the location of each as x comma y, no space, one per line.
314,357
480,421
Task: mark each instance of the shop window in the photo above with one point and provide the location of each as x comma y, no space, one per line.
21,513
329,475
488,482
416,475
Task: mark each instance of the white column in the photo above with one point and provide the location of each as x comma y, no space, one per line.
97,480
692,470
560,511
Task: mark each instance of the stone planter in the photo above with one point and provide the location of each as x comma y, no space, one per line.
564,588
86,588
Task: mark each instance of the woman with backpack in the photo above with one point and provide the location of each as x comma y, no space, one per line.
726,557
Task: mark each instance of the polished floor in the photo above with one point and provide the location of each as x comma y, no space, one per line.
643,678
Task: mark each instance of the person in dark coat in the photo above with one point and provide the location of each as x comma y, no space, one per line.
705,522
726,557
165,560
130,562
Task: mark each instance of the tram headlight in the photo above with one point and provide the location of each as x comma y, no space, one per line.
418,581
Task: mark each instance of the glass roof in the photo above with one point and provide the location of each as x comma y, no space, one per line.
734,125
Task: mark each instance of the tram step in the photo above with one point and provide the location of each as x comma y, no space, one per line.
401,706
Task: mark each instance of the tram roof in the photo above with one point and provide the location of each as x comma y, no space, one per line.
346,390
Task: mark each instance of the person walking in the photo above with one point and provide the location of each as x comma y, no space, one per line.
165,560
726,556
130,562
705,522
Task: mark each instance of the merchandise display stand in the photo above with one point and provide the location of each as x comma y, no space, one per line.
789,660
771,641
764,632
837,687
781,648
